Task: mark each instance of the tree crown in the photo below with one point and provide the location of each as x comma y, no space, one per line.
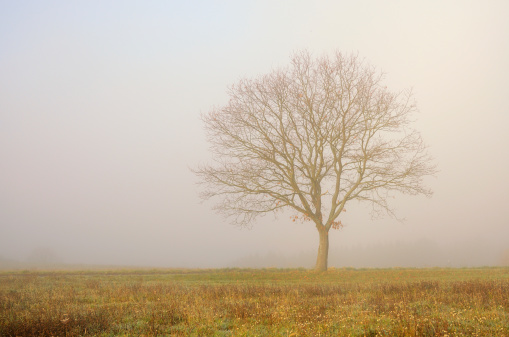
311,137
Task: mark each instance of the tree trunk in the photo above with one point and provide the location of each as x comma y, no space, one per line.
323,251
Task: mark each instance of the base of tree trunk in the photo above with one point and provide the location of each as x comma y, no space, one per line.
323,251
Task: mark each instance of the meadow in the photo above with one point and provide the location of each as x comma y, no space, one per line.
248,302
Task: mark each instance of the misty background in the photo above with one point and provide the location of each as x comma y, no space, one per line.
100,105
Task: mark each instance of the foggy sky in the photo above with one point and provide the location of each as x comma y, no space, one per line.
100,107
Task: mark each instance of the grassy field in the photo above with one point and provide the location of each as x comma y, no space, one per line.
268,302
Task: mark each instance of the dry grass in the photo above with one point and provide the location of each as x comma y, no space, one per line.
342,302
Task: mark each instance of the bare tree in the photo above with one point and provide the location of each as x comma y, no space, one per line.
312,137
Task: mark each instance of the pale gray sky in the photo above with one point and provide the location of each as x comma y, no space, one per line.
99,121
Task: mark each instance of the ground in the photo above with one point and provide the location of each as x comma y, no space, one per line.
248,302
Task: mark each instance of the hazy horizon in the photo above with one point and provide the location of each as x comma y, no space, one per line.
418,254
100,108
